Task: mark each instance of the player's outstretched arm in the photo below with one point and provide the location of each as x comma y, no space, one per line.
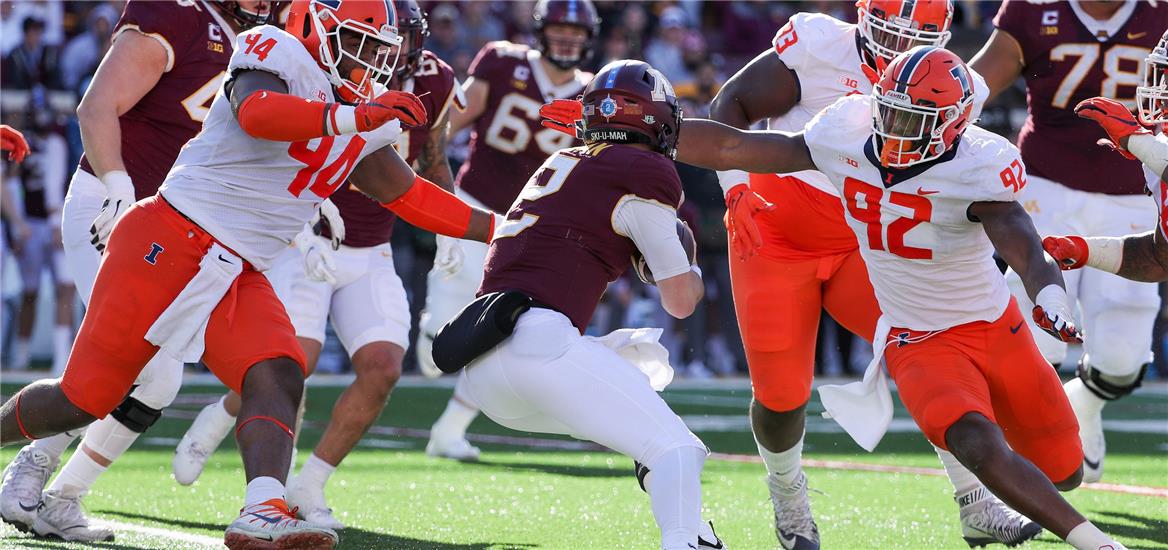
1012,233
1141,258
386,177
1145,258
999,62
714,145
764,88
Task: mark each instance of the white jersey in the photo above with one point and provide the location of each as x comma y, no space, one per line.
931,266
255,195
825,56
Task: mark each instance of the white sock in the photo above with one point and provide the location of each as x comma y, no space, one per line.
1088,402
261,490
315,472
1086,536
220,415
784,465
106,437
77,476
20,354
457,416
55,445
962,479
675,493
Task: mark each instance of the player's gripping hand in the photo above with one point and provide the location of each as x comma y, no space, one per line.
331,216
1115,119
12,140
448,258
319,264
390,105
119,197
1052,315
564,115
742,205
1069,251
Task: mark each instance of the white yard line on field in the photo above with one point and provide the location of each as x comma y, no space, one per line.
200,540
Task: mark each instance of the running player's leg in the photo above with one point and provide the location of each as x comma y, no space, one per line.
32,258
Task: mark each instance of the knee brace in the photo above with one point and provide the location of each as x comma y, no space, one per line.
134,415
1094,380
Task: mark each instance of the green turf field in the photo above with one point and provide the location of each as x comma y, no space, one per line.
534,491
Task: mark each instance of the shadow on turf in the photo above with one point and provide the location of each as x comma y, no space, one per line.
351,538
558,469
1146,529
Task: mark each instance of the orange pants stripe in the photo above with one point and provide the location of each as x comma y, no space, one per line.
151,256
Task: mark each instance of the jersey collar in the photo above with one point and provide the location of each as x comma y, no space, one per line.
1104,30
892,176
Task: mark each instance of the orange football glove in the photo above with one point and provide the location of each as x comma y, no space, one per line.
12,140
1115,119
742,205
874,74
1069,251
388,106
564,115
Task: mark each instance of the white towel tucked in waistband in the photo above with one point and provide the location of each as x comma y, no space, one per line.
640,347
179,331
864,408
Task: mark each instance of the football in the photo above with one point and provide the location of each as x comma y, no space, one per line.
687,241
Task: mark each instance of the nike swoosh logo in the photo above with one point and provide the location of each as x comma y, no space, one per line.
1014,330
709,544
923,191
1136,36
1087,461
224,260
265,518
787,541
28,508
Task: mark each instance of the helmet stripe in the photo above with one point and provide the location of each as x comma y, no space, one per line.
611,81
572,10
390,13
909,66
907,8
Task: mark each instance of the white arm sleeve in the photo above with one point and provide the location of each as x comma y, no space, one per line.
653,228
1152,150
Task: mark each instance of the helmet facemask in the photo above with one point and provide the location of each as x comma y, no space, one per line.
361,82
1152,97
888,37
909,134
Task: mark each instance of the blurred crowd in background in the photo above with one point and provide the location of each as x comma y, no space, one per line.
51,49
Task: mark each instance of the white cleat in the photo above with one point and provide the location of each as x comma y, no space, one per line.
456,449
272,526
794,525
199,443
1089,412
24,479
707,538
310,504
61,517
986,520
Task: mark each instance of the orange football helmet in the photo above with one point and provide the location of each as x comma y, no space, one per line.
921,106
1152,97
892,27
319,25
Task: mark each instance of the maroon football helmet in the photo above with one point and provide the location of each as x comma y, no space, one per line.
631,102
578,13
412,26
263,14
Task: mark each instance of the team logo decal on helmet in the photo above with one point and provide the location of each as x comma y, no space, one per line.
631,102
607,108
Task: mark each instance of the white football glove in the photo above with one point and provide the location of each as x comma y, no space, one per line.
319,264
448,258
119,197
332,217
1052,314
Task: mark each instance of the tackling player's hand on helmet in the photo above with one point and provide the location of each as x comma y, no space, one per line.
390,105
1115,119
742,205
1052,315
119,197
12,140
448,258
319,264
331,216
1069,251
564,115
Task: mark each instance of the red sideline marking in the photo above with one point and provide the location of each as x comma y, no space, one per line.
1160,492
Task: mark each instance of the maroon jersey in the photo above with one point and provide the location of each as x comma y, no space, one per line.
558,244
198,43
508,143
367,223
1065,64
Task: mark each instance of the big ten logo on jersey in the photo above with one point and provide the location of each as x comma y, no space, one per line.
511,129
519,77
1122,71
852,84
318,178
870,205
214,38
1049,23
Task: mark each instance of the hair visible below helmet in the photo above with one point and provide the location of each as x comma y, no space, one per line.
631,102
891,27
1152,97
577,13
412,25
318,24
921,106
247,18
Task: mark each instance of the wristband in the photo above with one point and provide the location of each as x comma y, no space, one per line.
1151,150
343,120
1053,300
1105,253
117,180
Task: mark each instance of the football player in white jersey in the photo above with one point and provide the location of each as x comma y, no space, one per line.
930,198
797,257
299,115
1141,257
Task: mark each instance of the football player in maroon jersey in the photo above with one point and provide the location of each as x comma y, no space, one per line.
507,85
1068,52
148,98
1142,257
354,284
